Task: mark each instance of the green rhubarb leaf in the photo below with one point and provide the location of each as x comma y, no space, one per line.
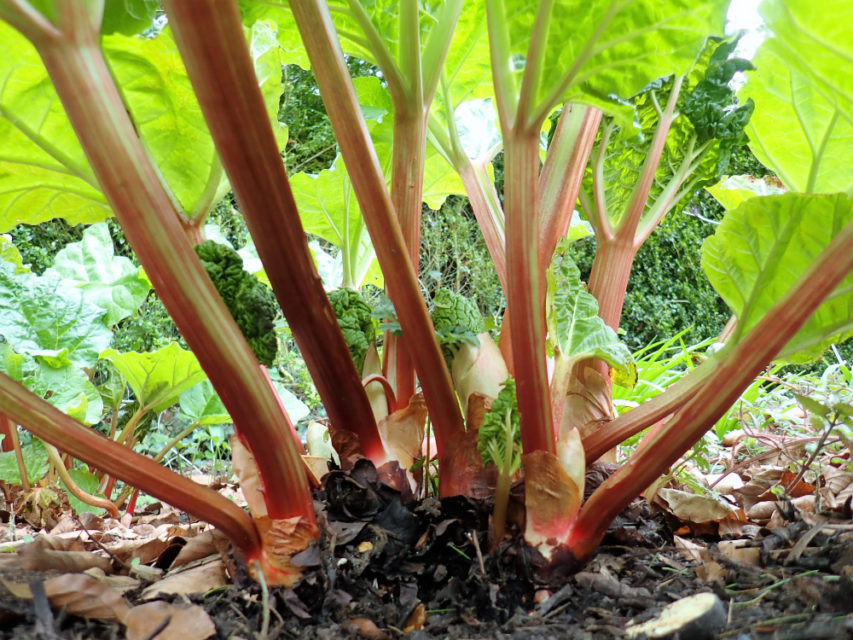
764,247
296,409
88,482
734,190
268,60
287,35
817,44
111,389
575,331
69,390
698,145
201,405
40,317
129,17
44,173
111,282
595,50
163,105
804,135
35,462
9,253
329,209
158,378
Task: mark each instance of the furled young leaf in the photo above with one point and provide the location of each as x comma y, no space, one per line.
43,171
111,389
732,191
35,462
575,332
763,247
158,378
501,426
40,317
201,405
602,49
798,131
111,282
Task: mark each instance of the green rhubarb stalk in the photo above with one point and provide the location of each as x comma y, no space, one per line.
210,39
151,224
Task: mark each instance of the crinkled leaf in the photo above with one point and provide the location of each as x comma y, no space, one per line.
40,317
35,462
44,173
732,191
88,482
763,247
798,131
158,378
701,137
112,388
111,282
575,331
201,404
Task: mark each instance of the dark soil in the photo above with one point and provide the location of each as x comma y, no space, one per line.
386,566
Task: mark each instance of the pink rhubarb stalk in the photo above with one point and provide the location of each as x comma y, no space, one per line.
132,187
321,43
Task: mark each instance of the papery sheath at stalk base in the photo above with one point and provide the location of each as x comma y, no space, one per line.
281,538
553,492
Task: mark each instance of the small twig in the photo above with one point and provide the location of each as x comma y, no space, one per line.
472,535
160,628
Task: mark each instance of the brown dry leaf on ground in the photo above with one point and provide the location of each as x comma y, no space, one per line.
174,622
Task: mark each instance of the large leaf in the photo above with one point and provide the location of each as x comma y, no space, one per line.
67,388
44,173
575,331
268,59
158,378
201,405
111,282
797,130
35,463
698,143
817,43
129,17
734,190
328,208
763,247
603,49
40,317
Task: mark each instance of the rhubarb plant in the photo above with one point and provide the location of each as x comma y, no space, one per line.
119,145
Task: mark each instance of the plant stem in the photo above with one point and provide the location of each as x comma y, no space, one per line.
51,425
526,307
733,369
318,35
73,488
210,39
151,224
